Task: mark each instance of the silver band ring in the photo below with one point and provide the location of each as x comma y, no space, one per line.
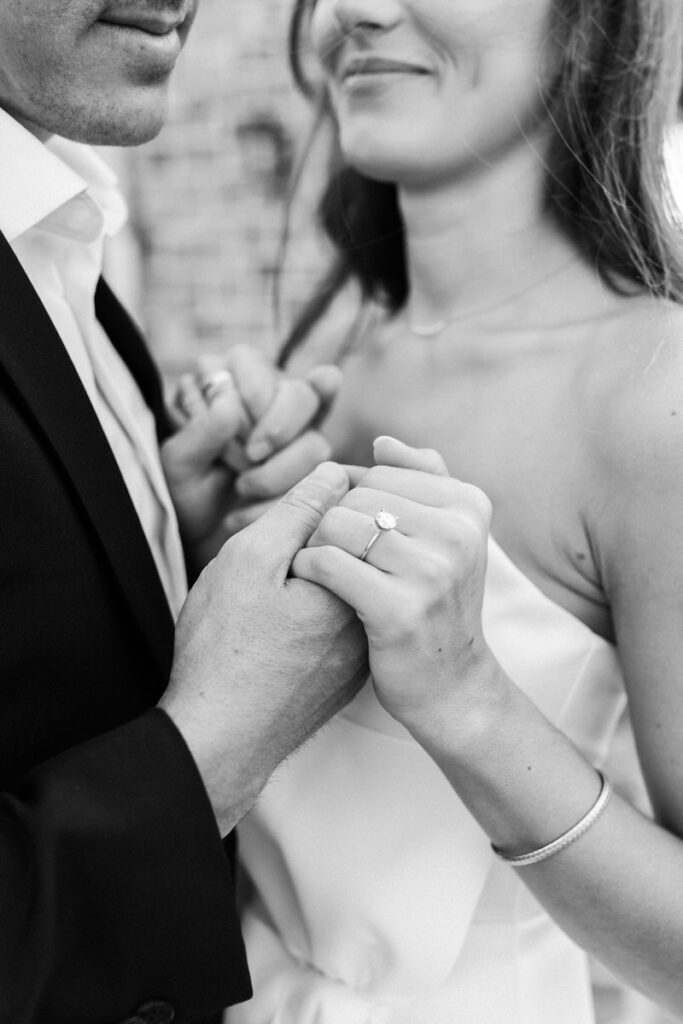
213,384
384,521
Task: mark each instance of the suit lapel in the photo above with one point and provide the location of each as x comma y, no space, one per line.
37,363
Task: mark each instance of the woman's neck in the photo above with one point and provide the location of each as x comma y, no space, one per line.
483,244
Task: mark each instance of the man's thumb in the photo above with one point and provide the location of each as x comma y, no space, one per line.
292,521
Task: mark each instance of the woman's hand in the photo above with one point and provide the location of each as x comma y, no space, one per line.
419,590
246,433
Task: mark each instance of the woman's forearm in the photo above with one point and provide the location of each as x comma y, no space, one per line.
617,891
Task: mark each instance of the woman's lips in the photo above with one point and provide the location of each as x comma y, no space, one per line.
359,66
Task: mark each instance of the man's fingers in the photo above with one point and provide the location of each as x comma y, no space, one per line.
245,516
188,399
282,471
205,437
288,525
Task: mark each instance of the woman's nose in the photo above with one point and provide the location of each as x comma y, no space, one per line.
366,15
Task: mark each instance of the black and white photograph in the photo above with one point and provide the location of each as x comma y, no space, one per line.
341,511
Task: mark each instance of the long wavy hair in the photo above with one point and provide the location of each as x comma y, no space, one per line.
615,92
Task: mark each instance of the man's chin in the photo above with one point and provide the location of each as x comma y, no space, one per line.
122,134
119,130
107,124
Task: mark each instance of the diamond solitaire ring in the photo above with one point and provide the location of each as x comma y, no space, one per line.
384,521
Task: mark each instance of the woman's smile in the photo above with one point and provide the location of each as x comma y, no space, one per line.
481,62
361,69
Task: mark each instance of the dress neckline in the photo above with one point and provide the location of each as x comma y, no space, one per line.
511,568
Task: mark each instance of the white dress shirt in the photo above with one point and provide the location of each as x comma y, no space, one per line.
58,202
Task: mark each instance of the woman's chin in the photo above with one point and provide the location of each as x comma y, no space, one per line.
398,158
412,176
383,166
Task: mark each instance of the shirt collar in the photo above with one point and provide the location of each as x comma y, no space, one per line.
62,186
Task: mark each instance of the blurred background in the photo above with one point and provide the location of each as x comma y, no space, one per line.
207,198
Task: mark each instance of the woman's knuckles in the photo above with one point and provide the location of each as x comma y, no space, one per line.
318,563
335,525
464,532
436,571
399,619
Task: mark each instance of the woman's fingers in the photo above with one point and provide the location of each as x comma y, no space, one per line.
355,474
356,583
206,435
298,404
262,410
256,378
389,451
359,535
421,475
415,518
294,406
285,467
387,487
326,380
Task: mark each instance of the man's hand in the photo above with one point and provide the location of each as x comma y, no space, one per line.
241,444
261,659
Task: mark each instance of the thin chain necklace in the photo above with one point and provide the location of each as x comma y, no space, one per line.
433,330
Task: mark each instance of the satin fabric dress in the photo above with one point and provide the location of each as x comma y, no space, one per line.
379,900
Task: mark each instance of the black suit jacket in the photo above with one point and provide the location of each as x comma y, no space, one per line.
115,889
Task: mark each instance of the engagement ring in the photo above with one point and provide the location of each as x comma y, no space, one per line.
384,521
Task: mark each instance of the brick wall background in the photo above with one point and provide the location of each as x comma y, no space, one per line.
207,197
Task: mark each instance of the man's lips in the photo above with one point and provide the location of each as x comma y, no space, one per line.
152,22
373,65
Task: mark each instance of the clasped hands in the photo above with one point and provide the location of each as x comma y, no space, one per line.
419,591
239,447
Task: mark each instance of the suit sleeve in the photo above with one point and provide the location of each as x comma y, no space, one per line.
115,888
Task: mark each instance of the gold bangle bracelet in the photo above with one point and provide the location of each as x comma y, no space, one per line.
524,860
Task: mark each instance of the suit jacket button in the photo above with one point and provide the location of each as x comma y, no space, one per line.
155,1011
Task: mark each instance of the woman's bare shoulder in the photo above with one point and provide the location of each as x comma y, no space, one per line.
632,384
632,435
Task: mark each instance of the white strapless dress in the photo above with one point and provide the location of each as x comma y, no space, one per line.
379,899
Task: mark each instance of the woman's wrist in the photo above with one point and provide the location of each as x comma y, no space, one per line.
521,778
467,716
